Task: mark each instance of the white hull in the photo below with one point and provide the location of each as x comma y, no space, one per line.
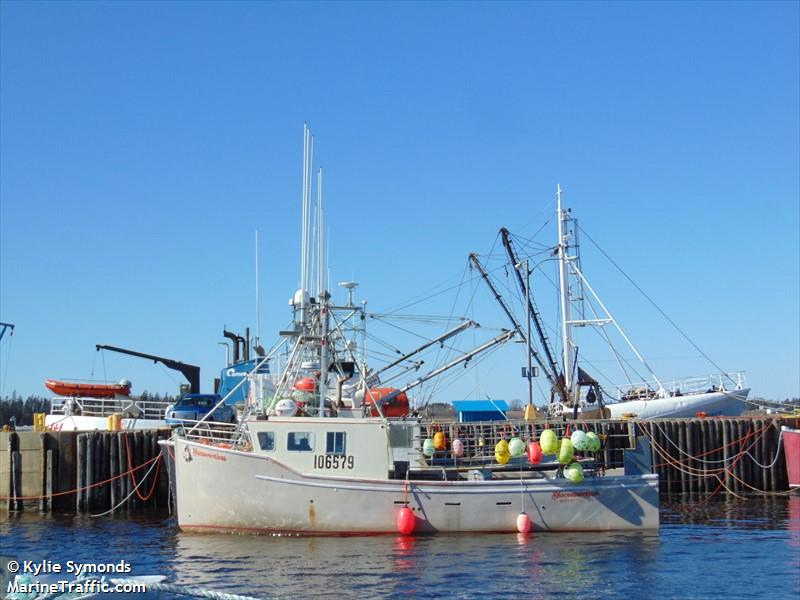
226,490
83,423
713,404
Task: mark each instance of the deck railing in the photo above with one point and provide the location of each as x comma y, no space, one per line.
681,387
479,438
104,407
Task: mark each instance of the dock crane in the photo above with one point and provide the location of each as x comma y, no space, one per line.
191,372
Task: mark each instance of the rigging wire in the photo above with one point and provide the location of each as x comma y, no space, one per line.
656,306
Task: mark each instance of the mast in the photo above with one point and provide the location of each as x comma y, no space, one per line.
528,373
323,301
537,319
6,327
551,376
258,303
304,225
564,294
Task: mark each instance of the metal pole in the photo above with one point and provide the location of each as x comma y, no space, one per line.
528,316
565,301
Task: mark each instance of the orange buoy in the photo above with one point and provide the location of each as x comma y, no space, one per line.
305,384
524,524
406,520
439,440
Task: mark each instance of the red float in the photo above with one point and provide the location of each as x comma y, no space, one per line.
524,524
305,384
534,453
406,521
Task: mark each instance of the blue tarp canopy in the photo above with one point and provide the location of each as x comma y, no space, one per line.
480,410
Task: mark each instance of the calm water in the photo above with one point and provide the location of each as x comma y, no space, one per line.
726,549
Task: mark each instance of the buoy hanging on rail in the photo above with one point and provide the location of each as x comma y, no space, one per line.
458,448
579,440
428,447
593,442
574,472
549,441
567,452
501,452
524,524
439,440
516,447
406,520
534,453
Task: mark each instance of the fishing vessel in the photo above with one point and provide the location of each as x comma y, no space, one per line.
573,389
331,449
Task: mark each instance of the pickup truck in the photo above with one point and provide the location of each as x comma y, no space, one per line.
193,407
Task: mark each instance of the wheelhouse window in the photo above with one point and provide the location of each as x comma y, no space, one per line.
300,442
335,442
266,440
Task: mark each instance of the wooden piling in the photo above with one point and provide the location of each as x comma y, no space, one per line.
123,468
49,479
682,458
16,481
761,453
113,471
90,472
726,453
80,496
43,472
745,467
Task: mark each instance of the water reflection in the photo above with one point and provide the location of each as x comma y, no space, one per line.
735,538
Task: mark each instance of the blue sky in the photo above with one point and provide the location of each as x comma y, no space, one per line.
141,145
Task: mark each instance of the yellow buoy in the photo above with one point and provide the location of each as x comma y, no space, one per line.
439,440
501,452
530,413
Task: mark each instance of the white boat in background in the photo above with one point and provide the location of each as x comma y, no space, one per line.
319,453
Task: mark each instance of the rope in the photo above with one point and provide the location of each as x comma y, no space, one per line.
729,469
133,478
113,508
696,457
190,591
81,489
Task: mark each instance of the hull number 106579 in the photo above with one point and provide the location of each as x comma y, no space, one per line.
333,461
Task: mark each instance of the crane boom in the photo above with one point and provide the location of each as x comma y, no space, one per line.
191,372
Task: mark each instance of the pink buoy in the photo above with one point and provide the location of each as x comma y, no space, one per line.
524,524
458,448
534,453
406,520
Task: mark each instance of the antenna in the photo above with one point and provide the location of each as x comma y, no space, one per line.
349,286
321,238
258,303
